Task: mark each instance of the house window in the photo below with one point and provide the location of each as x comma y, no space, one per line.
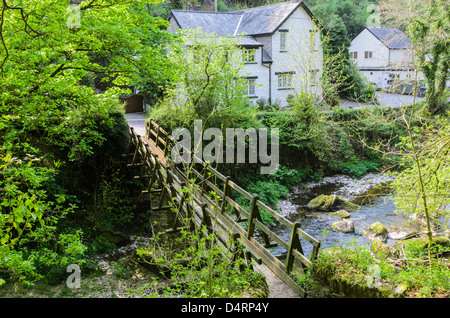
251,87
354,55
314,77
285,80
312,39
367,54
283,41
248,55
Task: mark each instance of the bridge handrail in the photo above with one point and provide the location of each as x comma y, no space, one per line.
205,182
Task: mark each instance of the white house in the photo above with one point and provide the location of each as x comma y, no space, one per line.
281,46
384,56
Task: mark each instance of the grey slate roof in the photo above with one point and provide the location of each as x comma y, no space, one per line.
265,19
266,58
255,21
250,41
391,37
221,23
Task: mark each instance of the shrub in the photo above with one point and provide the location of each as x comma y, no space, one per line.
356,168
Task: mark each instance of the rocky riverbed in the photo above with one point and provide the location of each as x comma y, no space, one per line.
375,211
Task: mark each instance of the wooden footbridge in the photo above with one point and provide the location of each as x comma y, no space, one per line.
208,199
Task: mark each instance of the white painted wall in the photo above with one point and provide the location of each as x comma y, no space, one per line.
400,57
262,73
382,57
366,41
300,57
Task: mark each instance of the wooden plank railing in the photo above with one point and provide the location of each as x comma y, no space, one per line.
206,197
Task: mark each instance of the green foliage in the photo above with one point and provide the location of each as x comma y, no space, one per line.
429,31
55,126
203,269
112,203
422,186
207,84
350,264
101,244
271,188
356,169
353,13
340,140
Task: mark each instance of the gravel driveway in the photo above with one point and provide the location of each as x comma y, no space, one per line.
385,99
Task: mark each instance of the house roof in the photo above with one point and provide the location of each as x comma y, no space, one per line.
249,41
221,23
255,21
266,19
391,37
266,58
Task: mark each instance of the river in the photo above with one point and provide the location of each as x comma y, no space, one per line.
369,192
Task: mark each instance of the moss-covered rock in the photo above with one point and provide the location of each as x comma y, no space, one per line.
322,202
383,250
341,213
344,226
376,231
329,203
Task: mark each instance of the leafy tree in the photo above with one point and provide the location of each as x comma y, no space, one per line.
51,116
353,13
208,84
427,24
340,74
422,187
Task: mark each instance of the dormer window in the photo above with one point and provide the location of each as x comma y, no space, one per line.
283,40
248,56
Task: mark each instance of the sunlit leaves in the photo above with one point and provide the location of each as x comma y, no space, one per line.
60,84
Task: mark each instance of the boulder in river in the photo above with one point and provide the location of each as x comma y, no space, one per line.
376,231
344,226
328,203
341,213
401,232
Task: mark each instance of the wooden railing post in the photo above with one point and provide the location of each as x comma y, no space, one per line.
294,243
226,192
157,137
166,147
253,213
148,125
130,142
237,250
138,144
203,179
